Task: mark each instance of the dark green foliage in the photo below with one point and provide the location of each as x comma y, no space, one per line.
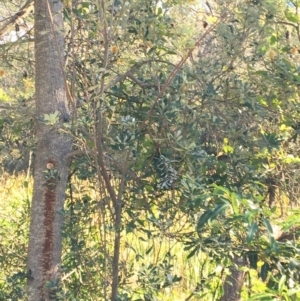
201,160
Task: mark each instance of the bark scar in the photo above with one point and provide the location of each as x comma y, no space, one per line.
49,214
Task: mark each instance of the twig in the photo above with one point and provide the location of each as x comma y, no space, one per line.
178,67
22,13
117,164
140,83
122,77
4,107
117,242
293,25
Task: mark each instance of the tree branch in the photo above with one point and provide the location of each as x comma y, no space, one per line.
4,107
22,13
179,66
130,73
139,82
115,163
122,77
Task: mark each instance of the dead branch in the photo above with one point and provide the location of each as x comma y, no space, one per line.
10,22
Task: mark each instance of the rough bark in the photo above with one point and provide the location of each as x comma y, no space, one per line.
51,161
234,281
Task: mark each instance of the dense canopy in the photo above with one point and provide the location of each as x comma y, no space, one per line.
149,150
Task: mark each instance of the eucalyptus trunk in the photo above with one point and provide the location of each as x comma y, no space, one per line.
51,163
234,281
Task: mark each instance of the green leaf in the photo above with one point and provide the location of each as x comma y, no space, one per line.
274,245
203,219
220,189
52,118
268,226
272,140
272,241
281,284
280,267
262,72
291,17
193,252
251,232
149,250
262,297
218,210
210,215
159,11
264,271
228,149
253,259
235,203
273,40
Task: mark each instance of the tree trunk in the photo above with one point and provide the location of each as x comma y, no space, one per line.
234,281
51,163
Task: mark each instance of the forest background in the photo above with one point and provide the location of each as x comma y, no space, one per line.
149,150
